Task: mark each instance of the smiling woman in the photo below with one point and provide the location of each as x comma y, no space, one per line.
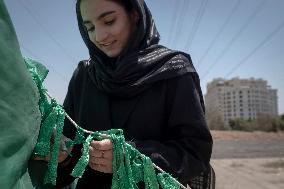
133,83
109,25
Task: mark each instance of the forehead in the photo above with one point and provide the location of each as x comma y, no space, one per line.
92,9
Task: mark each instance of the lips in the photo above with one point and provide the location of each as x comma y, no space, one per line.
107,44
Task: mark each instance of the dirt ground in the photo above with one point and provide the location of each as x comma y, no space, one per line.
240,135
255,173
248,160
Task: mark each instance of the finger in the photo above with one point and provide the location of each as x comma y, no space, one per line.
100,153
62,156
105,144
101,168
94,152
101,161
107,154
40,158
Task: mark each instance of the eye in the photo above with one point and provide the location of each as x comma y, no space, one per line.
109,22
91,29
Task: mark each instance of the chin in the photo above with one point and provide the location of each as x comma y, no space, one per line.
112,54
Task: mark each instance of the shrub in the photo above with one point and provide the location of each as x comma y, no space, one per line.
215,120
240,124
262,123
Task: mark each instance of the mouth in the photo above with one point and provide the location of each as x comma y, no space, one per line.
107,44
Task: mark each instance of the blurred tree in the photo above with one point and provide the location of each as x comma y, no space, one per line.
215,120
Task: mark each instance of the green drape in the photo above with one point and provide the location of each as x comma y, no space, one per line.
19,113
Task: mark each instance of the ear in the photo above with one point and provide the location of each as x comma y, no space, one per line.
134,16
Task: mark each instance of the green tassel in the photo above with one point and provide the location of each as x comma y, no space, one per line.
167,182
137,170
38,73
42,147
81,165
51,174
129,165
150,178
79,139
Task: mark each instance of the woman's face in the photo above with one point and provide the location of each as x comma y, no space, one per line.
108,24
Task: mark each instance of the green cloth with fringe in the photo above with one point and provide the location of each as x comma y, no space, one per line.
19,113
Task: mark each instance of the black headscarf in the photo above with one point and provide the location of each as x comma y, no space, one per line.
141,64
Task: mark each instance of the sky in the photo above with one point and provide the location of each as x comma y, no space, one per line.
225,38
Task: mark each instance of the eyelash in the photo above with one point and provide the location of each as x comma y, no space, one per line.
91,29
107,23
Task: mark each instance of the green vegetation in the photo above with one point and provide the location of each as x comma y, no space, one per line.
262,123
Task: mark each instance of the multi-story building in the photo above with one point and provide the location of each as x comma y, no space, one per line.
241,98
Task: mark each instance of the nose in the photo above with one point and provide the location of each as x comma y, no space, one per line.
101,35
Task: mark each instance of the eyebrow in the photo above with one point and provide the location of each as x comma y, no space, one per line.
99,17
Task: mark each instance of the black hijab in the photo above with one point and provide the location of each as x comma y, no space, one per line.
141,64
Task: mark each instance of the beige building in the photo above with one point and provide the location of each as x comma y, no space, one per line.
241,98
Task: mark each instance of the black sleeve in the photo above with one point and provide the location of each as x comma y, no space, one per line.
186,150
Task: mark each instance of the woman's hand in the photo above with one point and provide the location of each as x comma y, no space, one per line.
101,155
62,154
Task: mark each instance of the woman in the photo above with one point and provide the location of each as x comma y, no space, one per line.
131,82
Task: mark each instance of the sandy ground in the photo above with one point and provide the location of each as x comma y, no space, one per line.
260,173
253,160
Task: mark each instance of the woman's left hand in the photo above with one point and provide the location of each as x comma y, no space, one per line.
62,154
101,155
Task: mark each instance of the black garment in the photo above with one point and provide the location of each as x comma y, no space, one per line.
166,122
141,63
151,92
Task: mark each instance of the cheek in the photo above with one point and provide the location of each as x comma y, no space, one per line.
124,33
92,37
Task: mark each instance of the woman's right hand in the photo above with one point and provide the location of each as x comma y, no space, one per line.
101,155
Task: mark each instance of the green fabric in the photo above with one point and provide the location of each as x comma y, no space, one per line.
19,113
